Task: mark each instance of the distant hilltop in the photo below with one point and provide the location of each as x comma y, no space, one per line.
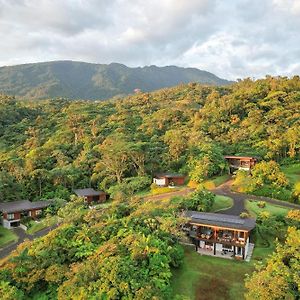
80,80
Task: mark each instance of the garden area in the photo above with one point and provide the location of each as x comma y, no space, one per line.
292,172
7,236
268,179
34,226
209,278
221,203
205,277
257,207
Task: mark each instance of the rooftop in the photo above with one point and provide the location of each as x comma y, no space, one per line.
239,157
87,192
22,205
168,175
221,220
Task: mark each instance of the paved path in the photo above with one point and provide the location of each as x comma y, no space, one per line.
183,192
22,235
240,198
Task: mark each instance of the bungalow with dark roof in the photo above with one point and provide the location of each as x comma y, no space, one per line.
168,179
90,195
240,162
13,211
219,234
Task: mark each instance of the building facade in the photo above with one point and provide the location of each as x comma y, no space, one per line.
12,212
245,163
219,234
91,196
167,179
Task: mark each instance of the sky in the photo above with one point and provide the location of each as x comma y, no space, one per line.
230,38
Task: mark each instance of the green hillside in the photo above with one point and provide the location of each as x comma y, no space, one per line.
79,80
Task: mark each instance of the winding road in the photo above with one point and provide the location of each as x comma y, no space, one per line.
224,190
22,236
240,198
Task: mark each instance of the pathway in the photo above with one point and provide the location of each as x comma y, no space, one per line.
22,235
240,198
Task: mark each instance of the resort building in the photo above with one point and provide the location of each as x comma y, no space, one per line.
220,235
168,179
12,212
240,163
90,195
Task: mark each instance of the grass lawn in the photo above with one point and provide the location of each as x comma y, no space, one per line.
215,181
292,172
6,236
210,278
221,203
254,210
37,226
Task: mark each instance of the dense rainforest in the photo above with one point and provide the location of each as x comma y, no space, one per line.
48,148
127,248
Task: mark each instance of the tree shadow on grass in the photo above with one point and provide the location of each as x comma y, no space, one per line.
212,289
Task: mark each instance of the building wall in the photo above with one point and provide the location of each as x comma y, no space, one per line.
17,216
177,180
160,181
102,197
219,247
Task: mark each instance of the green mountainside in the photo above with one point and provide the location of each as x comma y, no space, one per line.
79,80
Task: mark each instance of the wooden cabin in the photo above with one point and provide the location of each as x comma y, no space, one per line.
168,179
240,162
219,234
12,212
90,195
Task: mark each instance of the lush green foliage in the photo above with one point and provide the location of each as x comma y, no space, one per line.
266,179
200,200
280,278
122,251
48,148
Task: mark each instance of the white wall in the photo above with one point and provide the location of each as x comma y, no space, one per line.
6,223
246,247
219,247
159,181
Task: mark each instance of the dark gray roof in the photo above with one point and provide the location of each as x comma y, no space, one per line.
87,192
168,175
22,205
222,220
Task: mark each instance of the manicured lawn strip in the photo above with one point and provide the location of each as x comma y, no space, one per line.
221,179
215,181
292,172
37,226
221,203
251,206
206,277
7,236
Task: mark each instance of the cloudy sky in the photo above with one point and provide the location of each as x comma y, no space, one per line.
231,38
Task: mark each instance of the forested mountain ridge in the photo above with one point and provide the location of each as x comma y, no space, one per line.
49,147
79,80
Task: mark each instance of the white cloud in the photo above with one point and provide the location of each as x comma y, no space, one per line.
230,38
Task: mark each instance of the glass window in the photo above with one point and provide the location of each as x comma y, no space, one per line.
10,216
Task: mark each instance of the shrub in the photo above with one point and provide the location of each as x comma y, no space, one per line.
244,215
273,192
261,204
200,200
